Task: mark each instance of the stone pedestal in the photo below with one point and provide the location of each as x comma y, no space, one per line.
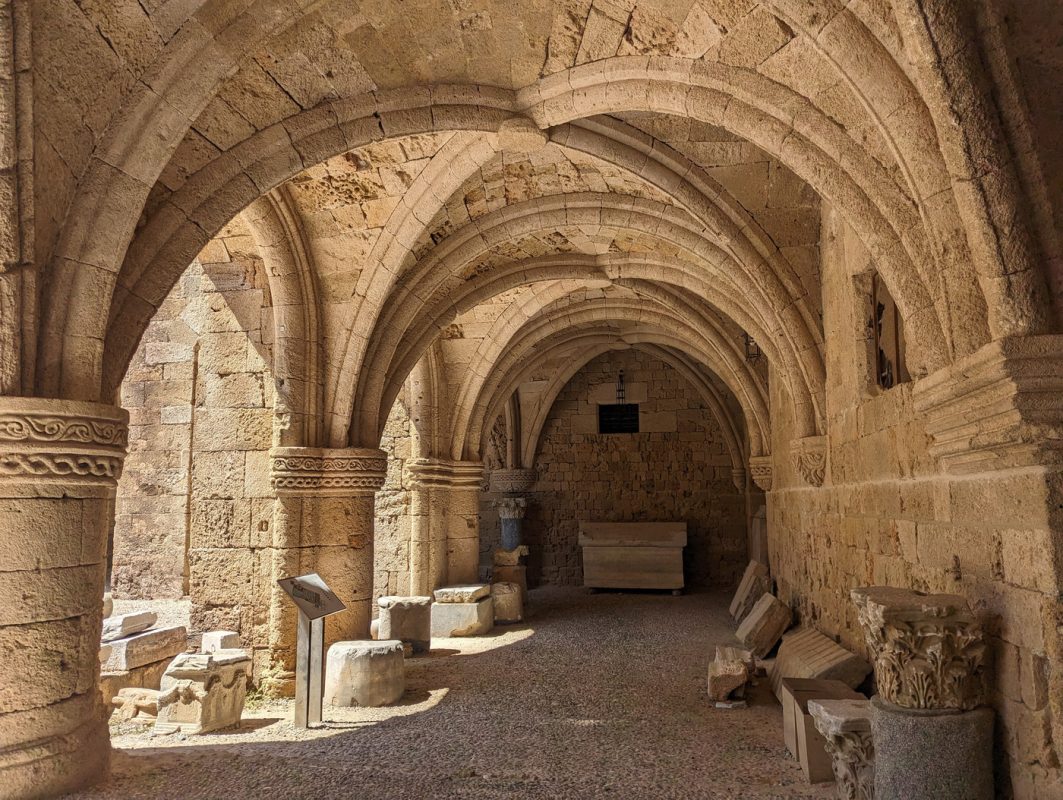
324,518
845,726
931,737
365,673
946,755
407,619
463,619
445,540
59,464
203,692
508,603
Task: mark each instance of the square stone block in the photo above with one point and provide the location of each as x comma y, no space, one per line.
406,619
463,619
219,640
802,739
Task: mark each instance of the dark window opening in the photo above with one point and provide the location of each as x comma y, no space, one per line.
887,330
618,418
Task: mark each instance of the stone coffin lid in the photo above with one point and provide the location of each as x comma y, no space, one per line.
633,534
389,600
835,717
462,594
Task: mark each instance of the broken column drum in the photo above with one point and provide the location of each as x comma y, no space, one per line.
931,737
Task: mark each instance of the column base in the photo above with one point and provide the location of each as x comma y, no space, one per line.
55,764
945,755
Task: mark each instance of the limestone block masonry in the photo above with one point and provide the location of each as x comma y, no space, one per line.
59,463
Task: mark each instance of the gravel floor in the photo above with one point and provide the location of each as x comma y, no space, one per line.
597,695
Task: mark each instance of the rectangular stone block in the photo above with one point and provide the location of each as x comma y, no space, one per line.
406,619
764,625
463,619
219,640
144,648
807,653
802,739
755,582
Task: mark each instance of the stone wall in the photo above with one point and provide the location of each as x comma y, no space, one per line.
887,515
676,468
391,541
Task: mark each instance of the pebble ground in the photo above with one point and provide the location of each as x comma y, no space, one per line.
595,696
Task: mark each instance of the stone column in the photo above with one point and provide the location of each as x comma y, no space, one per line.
59,466
450,493
931,737
323,519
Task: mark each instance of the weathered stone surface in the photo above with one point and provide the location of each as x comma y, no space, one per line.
108,605
407,619
509,558
764,625
202,692
508,602
800,734
132,702
946,755
754,584
219,640
845,726
145,648
929,649
463,619
364,673
462,594
126,625
729,673
807,653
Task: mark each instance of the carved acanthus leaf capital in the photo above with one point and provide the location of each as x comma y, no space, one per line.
846,729
511,507
810,459
321,472
928,649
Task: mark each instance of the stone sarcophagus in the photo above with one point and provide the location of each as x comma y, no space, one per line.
633,555
203,692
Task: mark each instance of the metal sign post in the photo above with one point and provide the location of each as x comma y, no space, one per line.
315,601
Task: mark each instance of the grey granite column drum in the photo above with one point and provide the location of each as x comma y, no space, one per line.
511,533
932,755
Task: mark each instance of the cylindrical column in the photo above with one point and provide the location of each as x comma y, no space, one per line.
453,499
323,519
511,512
59,465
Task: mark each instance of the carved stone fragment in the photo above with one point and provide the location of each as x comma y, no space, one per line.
846,728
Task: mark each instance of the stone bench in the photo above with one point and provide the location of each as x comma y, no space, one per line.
407,619
365,673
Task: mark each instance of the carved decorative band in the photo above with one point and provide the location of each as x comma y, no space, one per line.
62,441
760,469
320,471
513,481
426,473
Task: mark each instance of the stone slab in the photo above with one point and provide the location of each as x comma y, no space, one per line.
807,653
754,584
148,647
633,534
764,625
219,640
946,755
462,594
365,673
123,625
463,619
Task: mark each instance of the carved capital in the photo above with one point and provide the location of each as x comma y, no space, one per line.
439,473
511,507
513,481
810,458
928,649
846,729
997,408
323,472
760,469
61,441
